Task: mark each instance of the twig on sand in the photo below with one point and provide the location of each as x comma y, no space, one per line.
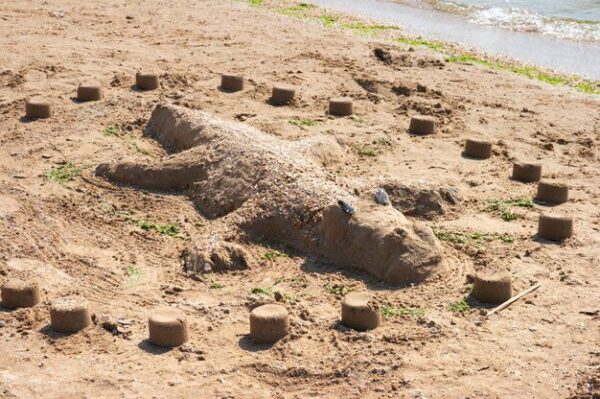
513,299
97,183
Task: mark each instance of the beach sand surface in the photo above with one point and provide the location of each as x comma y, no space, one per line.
84,237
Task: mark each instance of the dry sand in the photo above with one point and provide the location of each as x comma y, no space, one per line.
84,237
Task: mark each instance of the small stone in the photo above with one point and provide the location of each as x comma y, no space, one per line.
381,197
347,208
383,54
278,296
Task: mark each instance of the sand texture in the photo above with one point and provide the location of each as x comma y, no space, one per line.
215,202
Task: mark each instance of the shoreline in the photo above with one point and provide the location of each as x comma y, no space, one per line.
455,52
536,20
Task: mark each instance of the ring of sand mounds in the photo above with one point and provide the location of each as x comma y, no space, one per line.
341,106
232,83
69,314
271,189
19,294
360,311
167,328
555,227
89,92
147,81
269,323
492,287
282,94
38,108
478,149
552,192
421,125
527,172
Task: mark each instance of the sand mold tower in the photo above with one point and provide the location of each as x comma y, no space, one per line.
269,323
147,81
282,94
552,192
20,294
555,227
167,328
89,92
341,106
38,108
492,288
478,149
421,125
360,311
527,172
69,314
232,83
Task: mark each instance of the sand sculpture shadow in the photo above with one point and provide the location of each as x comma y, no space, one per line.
271,190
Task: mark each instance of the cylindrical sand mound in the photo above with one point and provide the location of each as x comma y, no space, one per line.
555,227
341,106
69,314
37,108
268,323
232,82
421,125
360,312
552,192
492,288
167,328
478,149
89,92
282,95
527,172
19,294
147,81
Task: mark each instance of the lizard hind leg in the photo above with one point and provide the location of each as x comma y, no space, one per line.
174,173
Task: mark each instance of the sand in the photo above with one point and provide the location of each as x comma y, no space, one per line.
103,241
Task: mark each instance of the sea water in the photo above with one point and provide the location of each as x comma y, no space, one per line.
566,19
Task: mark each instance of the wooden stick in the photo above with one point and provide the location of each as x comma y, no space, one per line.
513,299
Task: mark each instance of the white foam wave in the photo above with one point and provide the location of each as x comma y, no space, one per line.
525,21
